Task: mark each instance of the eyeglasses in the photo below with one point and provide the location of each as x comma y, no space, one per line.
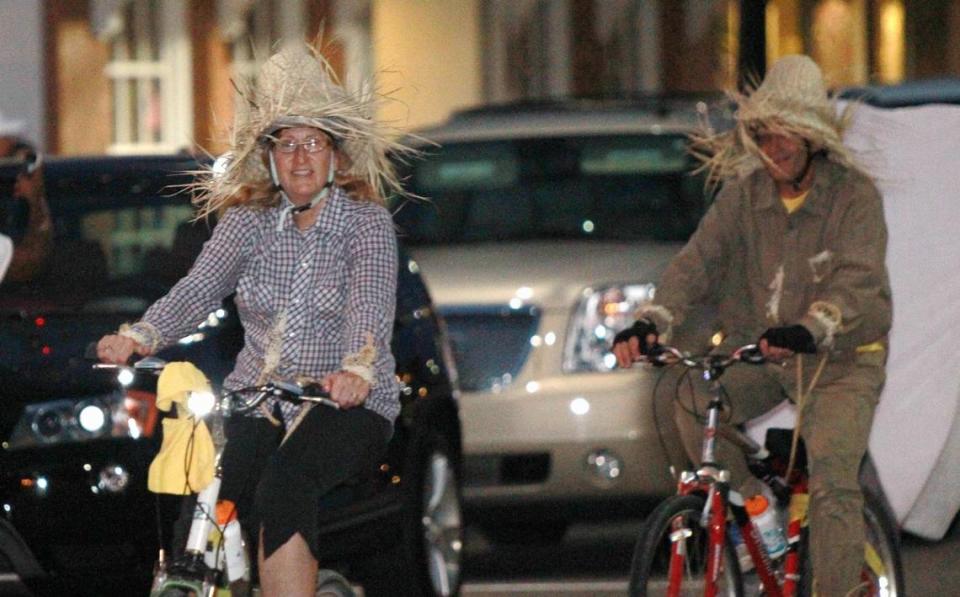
311,145
762,135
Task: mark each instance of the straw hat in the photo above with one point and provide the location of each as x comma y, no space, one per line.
298,87
792,100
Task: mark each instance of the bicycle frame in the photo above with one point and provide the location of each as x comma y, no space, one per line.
713,481
192,571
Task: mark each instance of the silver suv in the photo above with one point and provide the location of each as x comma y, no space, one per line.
546,226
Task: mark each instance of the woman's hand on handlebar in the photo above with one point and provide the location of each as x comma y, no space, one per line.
117,350
346,389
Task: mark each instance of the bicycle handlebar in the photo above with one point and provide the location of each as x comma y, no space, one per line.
279,389
284,391
715,364
669,355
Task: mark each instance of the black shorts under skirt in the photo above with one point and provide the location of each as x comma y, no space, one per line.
279,487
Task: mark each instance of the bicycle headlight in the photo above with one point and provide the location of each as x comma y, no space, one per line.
200,403
601,313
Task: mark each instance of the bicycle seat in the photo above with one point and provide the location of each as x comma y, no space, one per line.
778,442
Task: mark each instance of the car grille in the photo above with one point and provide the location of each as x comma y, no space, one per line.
486,470
490,344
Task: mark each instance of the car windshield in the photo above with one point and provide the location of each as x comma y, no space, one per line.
624,187
109,253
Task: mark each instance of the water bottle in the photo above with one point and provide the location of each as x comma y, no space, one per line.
764,517
235,552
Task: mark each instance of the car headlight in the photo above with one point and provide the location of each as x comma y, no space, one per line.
57,422
601,313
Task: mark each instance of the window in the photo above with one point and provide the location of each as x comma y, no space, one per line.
150,74
624,187
255,28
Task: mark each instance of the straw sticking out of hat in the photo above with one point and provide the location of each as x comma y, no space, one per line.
792,100
297,87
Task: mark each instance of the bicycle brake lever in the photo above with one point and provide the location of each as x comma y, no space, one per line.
290,388
321,400
751,354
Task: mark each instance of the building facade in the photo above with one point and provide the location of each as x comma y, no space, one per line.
148,76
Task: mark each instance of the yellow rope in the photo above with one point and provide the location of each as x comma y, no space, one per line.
801,397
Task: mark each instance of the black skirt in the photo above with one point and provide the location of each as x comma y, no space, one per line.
280,488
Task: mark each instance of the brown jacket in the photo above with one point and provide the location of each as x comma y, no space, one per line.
822,266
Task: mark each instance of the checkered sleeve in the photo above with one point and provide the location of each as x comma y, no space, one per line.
212,278
371,293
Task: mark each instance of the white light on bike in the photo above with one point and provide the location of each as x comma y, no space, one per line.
92,418
200,403
579,406
125,377
42,484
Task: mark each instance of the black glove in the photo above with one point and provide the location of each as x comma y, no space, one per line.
792,337
640,329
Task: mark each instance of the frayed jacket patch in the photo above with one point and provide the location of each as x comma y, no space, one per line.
820,265
776,294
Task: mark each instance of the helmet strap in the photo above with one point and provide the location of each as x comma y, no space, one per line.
331,170
324,192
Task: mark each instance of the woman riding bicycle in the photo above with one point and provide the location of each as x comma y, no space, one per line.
793,252
306,243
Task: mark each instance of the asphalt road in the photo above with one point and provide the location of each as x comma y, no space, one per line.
594,561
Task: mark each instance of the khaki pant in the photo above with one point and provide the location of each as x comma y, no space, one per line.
835,426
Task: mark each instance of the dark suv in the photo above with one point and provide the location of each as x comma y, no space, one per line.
77,516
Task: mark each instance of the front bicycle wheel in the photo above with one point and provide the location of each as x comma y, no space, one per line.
678,518
332,584
882,574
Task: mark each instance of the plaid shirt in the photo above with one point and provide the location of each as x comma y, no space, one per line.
307,299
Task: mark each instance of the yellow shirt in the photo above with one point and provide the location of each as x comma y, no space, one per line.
793,203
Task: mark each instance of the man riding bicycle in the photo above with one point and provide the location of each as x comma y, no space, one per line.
306,243
793,253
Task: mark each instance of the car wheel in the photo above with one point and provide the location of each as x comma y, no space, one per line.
433,521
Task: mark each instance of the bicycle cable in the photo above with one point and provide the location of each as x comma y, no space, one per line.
656,423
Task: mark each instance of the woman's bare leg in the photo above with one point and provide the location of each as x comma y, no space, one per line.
291,570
